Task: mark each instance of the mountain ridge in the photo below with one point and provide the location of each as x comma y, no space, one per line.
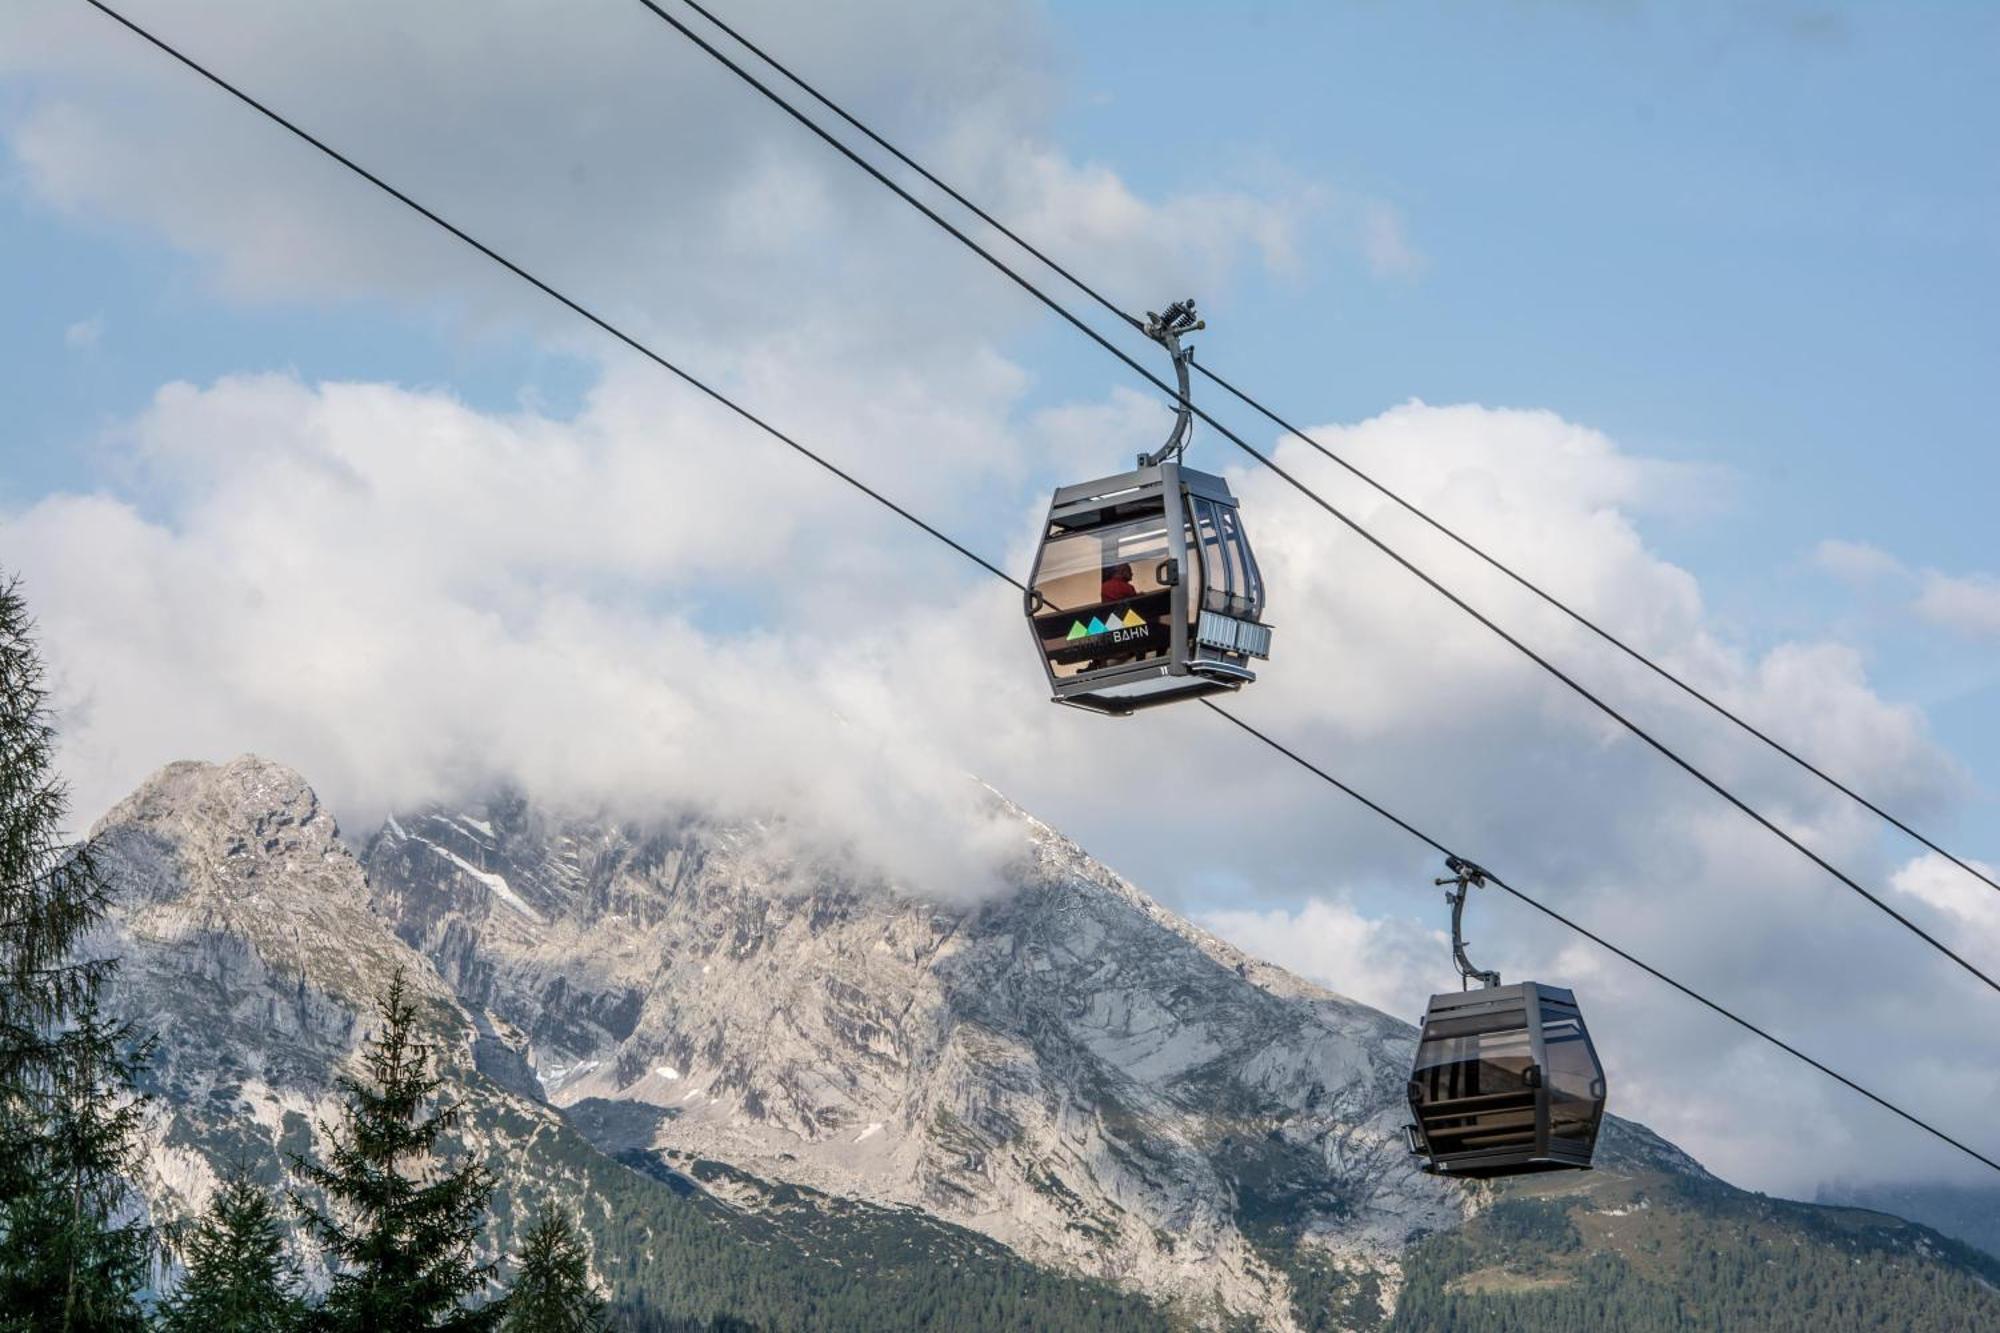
1043,1066
763,1060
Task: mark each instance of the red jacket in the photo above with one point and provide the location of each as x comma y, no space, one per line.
1117,589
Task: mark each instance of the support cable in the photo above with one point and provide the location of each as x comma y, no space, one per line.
1351,523
1693,692
1365,478
628,340
552,293
1599,940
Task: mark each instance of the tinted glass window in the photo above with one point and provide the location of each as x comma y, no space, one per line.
1573,1076
1472,1091
1100,598
1476,1065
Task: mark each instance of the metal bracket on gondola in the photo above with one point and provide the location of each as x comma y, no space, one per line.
1464,875
1167,329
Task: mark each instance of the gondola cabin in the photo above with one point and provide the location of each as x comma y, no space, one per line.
1506,1082
1145,591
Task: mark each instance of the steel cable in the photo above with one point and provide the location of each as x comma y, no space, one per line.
908,516
1358,473
1349,522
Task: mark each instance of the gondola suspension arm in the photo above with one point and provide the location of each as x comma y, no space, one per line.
1464,875
1167,330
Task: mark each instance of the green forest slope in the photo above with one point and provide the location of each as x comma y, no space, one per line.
1648,1253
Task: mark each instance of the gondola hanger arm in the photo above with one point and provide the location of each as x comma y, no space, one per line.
1167,329
1464,875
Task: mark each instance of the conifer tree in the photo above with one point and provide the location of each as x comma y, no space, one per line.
76,1253
73,1257
399,1222
239,1277
552,1291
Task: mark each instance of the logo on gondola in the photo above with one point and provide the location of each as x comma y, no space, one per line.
1099,625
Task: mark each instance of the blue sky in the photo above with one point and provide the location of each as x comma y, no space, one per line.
105,315
1758,240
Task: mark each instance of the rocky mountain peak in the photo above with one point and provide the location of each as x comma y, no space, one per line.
247,800
243,854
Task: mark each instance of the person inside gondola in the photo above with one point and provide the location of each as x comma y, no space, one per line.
1118,584
1117,587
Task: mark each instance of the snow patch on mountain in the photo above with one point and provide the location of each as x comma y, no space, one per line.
497,883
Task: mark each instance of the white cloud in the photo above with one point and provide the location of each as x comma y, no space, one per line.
84,334
1856,562
608,154
1386,243
403,598
1968,604
1972,908
1389,963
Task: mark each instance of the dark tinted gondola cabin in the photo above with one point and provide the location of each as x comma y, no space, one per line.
1145,591
1506,1082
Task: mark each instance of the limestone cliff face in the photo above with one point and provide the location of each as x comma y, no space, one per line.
1068,1068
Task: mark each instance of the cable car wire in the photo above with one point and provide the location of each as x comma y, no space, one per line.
1358,473
910,162
688,378
1594,937
557,296
1351,523
1692,691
